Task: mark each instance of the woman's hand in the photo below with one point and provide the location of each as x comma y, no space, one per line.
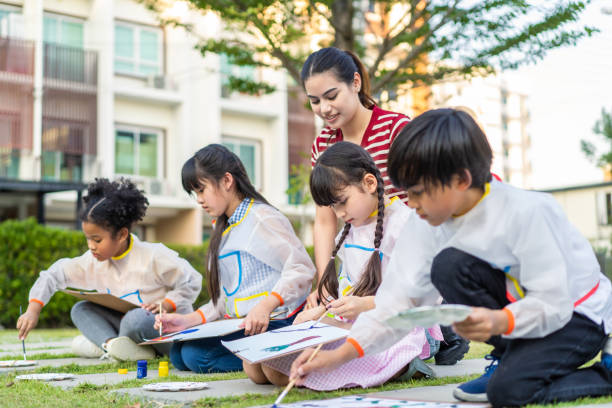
325,360
310,314
482,323
28,320
172,322
349,307
258,318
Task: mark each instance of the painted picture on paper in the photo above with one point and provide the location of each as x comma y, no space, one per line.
286,340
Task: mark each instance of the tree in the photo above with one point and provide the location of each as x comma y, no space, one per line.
404,43
603,128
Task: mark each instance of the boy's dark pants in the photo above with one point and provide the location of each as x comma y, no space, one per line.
531,370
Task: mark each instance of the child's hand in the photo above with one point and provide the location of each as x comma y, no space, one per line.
312,300
172,322
154,307
310,314
481,324
259,317
28,320
257,320
325,360
349,307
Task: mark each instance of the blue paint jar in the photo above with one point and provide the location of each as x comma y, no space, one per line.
141,370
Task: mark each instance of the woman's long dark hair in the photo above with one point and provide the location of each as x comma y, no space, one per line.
211,163
343,64
341,165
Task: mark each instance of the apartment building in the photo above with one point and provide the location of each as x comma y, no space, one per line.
96,88
503,113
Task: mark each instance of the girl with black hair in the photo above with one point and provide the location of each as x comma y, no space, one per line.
346,180
256,264
118,263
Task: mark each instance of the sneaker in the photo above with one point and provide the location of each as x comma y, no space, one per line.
476,390
83,347
452,348
124,349
606,360
417,369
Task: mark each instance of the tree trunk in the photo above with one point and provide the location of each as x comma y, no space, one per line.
342,20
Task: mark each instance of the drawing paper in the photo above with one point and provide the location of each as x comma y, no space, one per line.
104,299
286,340
427,316
213,329
356,401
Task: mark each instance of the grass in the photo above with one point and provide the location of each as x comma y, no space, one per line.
18,394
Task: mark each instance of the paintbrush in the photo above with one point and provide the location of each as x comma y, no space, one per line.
319,319
160,318
292,382
22,340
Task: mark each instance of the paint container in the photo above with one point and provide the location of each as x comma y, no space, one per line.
122,371
141,369
163,369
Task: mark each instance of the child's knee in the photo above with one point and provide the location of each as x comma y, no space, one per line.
444,265
274,376
504,391
79,309
255,373
135,322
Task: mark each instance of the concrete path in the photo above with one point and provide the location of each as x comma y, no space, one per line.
33,352
217,389
116,378
56,362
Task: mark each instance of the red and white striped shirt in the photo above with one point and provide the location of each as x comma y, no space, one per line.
377,139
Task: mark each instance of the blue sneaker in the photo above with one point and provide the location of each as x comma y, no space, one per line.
606,360
476,390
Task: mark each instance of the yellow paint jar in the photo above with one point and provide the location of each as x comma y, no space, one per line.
163,369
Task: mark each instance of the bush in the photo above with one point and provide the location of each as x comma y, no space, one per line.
28,248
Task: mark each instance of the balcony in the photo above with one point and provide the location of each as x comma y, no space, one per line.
70,68
16,102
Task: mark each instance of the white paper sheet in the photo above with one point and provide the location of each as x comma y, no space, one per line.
212,329
286,340
355,401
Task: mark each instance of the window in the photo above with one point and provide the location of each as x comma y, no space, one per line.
248,152
138,50
138,152
61,166
228,69
62,30
11,22
9,163
64,57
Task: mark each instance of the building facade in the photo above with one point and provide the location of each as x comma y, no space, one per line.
96,88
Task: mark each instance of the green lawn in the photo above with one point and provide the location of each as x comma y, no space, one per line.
18,394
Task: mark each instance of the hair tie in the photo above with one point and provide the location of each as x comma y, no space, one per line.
333,257
377,249
94,207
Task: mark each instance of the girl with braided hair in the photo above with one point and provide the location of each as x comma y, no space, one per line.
346,179
117,262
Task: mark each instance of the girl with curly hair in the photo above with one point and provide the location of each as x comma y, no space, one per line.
118,263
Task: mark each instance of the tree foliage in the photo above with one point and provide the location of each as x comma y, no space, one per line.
603,128
402,42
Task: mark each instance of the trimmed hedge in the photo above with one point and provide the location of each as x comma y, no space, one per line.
26,248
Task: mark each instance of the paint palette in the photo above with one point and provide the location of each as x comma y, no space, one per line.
17,363
427,316
175,386
46,377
